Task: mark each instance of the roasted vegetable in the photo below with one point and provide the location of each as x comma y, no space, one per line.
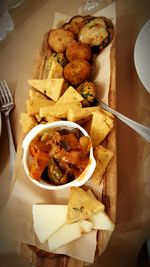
37,167
55,174
87,91
59,156
70,142
97,32
85,144
75,24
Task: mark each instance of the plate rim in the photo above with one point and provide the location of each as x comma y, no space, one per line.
138,40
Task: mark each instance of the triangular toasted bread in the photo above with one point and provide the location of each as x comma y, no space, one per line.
82,205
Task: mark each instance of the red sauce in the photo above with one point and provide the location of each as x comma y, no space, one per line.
59,155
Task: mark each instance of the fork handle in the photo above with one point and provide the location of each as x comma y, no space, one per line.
139,128
12,150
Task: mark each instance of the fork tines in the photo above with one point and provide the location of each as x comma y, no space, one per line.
5,94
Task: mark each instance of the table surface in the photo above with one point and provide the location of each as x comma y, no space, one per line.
17,58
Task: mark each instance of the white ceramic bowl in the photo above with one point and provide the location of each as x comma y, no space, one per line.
83,178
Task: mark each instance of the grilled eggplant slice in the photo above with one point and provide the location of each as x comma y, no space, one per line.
97,32
75,24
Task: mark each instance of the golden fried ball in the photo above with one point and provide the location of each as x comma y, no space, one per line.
78,50
59,39
77,71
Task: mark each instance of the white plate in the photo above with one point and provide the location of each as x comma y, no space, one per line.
142,55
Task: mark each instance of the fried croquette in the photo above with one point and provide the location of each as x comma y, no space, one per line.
59,39
78,50
77,71
87,91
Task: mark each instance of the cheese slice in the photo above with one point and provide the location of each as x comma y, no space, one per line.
48,219
68,233
101,221
82,205
65,235
86,226
51,87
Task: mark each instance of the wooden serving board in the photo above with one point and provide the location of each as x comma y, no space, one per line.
37,257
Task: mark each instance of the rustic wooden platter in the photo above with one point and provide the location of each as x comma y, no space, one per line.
37,257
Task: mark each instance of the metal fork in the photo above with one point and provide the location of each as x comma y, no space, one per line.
7,104
139,128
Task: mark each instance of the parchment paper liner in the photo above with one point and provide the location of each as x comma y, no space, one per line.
16,220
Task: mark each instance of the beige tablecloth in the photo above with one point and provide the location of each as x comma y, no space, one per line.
17,58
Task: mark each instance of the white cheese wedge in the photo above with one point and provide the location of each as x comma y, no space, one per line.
85,226
48,219
102,222
65,235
